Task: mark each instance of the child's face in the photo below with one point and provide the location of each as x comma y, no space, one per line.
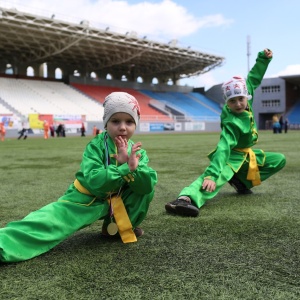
237,104
121,124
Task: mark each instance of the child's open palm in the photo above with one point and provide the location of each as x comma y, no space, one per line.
133,160
122,146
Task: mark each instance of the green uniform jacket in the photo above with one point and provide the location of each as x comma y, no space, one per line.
238,130
101,174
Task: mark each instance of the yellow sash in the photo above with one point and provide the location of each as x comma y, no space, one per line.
253,171
81,188
120,214
122,220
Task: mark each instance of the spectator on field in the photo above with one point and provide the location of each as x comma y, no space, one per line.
286,125
276,124
23,133
2,132
94,130
46,130
281,124
233,160
60,130
63,130
82,129
52,130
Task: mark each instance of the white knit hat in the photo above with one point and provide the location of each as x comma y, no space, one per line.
235,87
120,102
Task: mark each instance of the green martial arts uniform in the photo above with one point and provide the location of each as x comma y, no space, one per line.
239,134
102,177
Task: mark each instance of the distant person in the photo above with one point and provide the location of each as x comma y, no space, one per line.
280,124
63,130
23,133
82,129
60,130
46,130
286,125
2,132
52,130
114,184
94,130
233,160
276,124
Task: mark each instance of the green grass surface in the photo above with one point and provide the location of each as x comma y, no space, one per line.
240,247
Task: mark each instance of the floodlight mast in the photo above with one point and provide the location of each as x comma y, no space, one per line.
248,51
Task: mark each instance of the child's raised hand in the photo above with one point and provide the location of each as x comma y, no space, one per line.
122,146
122,156
133,160
268,53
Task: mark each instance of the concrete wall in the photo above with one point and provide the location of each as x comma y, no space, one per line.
143,128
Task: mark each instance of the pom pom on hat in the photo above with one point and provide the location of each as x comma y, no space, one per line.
120,102
235,87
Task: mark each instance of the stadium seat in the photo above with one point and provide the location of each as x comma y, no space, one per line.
147,112
48,97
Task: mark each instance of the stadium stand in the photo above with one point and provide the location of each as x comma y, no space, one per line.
47,97
27,96
36,96
190,105
207,102
294,113
147,112
4,110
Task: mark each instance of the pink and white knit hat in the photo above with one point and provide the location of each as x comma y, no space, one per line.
235,87
120,102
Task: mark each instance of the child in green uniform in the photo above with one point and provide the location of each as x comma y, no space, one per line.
233,160
114,184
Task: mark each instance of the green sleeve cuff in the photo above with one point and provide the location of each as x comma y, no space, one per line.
210,178
125,173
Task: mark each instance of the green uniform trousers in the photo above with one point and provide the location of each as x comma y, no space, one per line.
45,228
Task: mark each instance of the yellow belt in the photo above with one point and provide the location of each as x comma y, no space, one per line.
253,171
120,214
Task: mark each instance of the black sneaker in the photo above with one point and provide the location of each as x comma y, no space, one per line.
138,231
239,186
182,207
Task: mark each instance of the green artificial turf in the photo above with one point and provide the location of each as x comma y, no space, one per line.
240,247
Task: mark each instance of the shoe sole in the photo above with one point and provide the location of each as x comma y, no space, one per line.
188,211
245,192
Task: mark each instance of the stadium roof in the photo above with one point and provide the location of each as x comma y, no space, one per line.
27,39
293,79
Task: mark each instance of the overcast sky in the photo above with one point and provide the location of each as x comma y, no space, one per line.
219,27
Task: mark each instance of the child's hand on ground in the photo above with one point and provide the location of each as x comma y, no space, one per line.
209,185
